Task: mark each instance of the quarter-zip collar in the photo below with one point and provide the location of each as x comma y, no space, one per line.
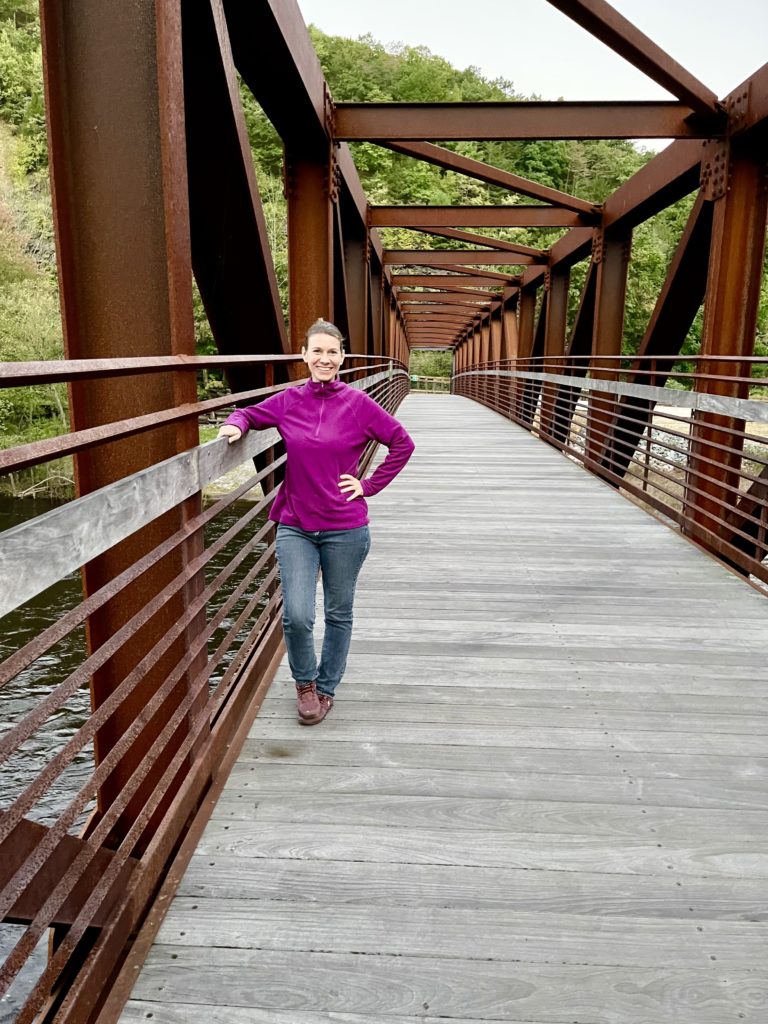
324,388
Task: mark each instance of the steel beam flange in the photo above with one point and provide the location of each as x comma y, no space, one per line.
334,177
714,169
598,245
329,113
737,107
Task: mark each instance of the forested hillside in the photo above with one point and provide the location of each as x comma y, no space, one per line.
356,70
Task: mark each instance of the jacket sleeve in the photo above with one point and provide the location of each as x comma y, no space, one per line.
258,417
385,429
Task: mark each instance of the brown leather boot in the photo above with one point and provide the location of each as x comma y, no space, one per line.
307,703
326,703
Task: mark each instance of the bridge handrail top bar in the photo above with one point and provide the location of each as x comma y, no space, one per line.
742,408
54,371
84,528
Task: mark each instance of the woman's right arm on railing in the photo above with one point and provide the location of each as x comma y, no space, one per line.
254,417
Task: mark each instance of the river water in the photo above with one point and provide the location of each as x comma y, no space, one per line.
23,692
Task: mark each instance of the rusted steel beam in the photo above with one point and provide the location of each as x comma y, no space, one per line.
352,190
446,158
740,197
527,306
449,282
421,300
486,275
230,247
476,217
496,332
20,846
611,256
298,109
342,299
672,174
53,371
125,283
310,240
579,344
612,28
554,339
375,286
494,243
570,249
450,257
435,331
681,295
510,345
747,107
374,122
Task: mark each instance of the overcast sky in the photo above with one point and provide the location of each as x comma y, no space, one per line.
543,52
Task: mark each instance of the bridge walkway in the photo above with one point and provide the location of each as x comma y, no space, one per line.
540,797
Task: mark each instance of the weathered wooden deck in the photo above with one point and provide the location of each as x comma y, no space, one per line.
541,796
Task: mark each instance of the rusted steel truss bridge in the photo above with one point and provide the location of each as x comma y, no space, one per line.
154,187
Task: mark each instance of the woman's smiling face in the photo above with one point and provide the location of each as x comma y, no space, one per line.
323,355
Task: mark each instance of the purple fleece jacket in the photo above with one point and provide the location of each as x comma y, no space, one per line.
326,427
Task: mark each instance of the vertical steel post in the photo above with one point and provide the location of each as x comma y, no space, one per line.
611,256
554,343
309,189
730,317
114,100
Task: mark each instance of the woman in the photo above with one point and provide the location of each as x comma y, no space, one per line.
320,508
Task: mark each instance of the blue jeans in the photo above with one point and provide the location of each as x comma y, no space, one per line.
301,555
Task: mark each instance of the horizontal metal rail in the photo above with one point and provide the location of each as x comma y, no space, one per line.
683,436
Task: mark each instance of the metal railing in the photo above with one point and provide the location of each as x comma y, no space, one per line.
83,856
685,436
430,385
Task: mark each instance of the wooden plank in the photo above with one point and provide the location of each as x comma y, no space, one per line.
499,736
451,713
489,814
645,764
337,983
185,1013
596,893
267,778
378,844
281,698
464,934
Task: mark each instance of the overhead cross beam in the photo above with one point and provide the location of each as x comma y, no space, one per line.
524,120
422,299
477,275
494,243
476,217
402,282
448,257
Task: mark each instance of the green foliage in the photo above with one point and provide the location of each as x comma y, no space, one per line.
21,83
431,364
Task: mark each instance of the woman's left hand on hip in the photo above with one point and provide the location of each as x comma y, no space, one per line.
350,485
